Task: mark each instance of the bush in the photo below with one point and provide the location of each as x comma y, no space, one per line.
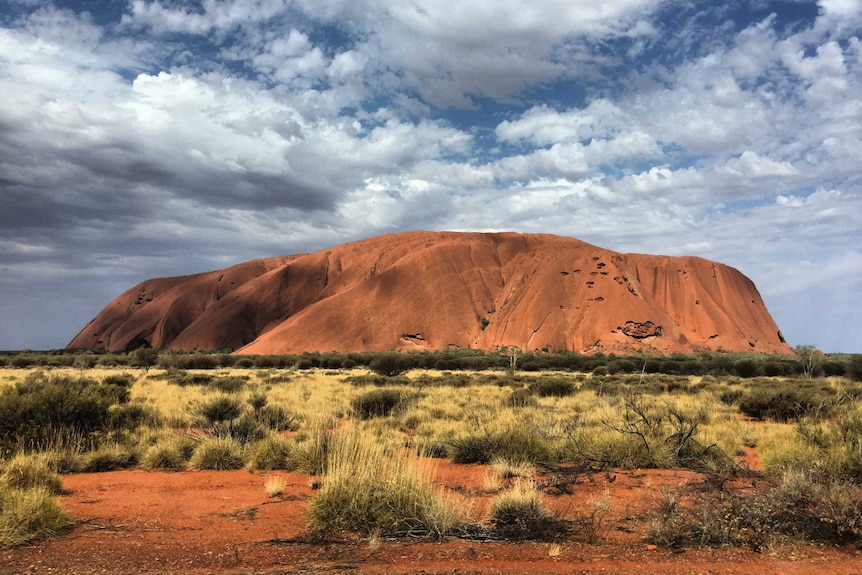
171,453
221,408
389,365
217,454
229,383
278,418
854,367
796,508
521,397
28,472
780,406
274,452
38,410
553,387
381,402
518,445
28,515
745,367
520,513
108,458
130,416
368,490
243,430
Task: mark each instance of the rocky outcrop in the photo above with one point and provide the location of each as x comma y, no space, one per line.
446,290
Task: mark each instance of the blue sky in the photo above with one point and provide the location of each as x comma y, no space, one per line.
146,138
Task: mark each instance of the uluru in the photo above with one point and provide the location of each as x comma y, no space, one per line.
445,290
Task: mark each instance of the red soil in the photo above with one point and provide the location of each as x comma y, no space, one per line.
185,523
431,291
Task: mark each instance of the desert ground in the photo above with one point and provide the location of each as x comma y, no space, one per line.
140,518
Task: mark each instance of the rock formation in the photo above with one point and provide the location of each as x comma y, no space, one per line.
430,290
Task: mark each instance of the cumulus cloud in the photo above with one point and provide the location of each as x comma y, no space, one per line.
175,136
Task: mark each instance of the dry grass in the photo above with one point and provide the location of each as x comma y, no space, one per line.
274,485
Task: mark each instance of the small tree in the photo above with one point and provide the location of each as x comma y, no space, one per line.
145,358
388,365
809,359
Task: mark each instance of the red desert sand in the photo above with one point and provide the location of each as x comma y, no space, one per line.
184,523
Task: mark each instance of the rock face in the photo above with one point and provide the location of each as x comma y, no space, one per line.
424,290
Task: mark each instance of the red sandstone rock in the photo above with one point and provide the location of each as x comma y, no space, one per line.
429,290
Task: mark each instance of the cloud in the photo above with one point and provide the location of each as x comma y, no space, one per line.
176,137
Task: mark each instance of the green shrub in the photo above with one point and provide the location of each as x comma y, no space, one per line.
29,471
130,416
28,515
520,513
217,454
368,490
257,401
170,453
389,364
797,508
779,405
246,429
854,367
274,452
229,383
553,387
278,418
220,408
519,445
310,455
108,458
381,402
521,397
42,407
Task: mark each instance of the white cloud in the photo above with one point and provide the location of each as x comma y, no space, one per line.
279,129
842,8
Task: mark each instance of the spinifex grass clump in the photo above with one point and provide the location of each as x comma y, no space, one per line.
217,454
371,490
30,471
381,402
28,515
520,513
519,445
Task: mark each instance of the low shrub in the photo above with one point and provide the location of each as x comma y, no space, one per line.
521,397
130,416
381,402
217,454
797,508
278,418
30,471
244,430
229,383
108,458
518,445
28,515
369,490
36,411
779,405
520,513
553,387
389,365
271,453
220,408
169,453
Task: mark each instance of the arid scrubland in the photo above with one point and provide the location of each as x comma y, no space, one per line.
369,444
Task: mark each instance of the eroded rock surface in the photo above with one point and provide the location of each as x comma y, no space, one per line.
439,290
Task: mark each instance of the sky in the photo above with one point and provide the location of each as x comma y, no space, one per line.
153,138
